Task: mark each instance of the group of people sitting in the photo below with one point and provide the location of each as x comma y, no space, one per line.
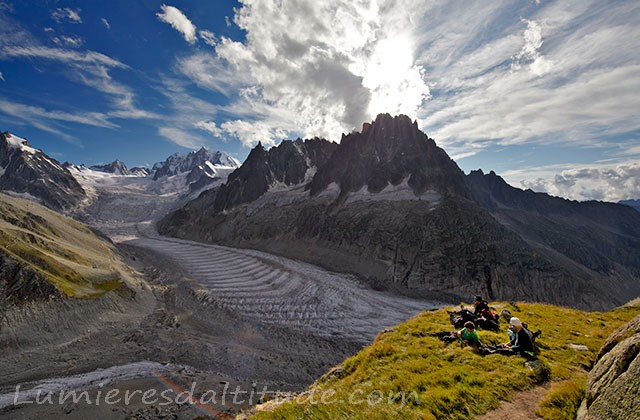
481,316
521,340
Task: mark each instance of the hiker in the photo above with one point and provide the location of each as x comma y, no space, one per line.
520,341
466,336
480,306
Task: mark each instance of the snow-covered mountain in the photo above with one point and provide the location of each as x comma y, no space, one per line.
29,172
139,171
117,167
205,159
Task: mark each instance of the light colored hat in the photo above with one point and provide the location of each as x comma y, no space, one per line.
515,322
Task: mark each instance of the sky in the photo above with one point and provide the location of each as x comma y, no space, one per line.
545,93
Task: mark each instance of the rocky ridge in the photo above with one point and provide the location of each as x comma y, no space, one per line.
178,163
25,170
392,207
117,167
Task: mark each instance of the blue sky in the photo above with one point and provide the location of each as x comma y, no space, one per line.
543,92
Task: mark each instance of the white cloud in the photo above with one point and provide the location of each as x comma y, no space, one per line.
53,121
181,137
252,132
66,14
575,85
75,57
91,69
208,71
530,52
208,37
605,182
68,41
318,68
178,21
210,127
2,76
106,23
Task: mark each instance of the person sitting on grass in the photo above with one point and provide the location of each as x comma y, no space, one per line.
466,336
520,341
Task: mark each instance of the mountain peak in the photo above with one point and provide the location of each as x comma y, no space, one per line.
116,167
24,169
388,151
180,163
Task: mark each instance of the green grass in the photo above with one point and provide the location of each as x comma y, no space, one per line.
450,382
64,252
563,399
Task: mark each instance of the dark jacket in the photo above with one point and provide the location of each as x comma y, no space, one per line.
523,342
480,308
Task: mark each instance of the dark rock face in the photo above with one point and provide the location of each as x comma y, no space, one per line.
27,170
600,237
388,151
177,163
200,177
116,167
287,164
467,235
614,381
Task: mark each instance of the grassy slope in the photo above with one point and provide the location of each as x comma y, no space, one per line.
67,253
455,383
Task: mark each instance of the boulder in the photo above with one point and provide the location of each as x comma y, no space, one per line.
613,384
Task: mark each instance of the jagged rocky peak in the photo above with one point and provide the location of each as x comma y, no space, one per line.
179,163
292,162
28,171
139,171
389,151
116,167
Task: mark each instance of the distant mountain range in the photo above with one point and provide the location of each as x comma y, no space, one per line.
201,162
117,167
388,204
632,203
205,159
31,173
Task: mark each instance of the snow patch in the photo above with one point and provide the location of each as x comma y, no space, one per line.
16,142
211,166
24,195
400,192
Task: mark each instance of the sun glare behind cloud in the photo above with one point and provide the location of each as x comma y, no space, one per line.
394,80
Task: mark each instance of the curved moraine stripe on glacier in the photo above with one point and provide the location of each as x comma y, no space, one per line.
280,291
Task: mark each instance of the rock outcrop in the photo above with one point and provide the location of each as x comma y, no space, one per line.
388,152
290,163
25,170
614,381
117,167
